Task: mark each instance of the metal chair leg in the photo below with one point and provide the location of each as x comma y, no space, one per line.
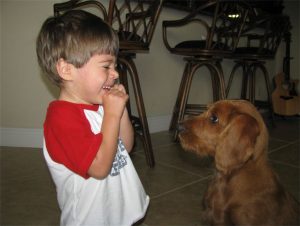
236,66
249,81
218,85
184,92
182,86
129,64
262,67
123,79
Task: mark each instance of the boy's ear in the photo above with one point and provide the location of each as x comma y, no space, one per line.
64,69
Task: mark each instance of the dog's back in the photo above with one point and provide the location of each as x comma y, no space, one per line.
254,199
249,197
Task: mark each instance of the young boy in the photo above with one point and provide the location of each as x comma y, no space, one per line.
87,131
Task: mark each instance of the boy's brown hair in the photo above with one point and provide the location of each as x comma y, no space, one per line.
74,36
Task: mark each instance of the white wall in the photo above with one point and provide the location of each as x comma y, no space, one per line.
25,93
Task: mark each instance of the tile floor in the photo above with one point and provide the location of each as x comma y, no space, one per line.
175,185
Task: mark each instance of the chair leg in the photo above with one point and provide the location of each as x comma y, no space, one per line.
174,119
261,66
251,78
124,80
214,82
130,66
248,82
186,90
187,76
221,81
245,80
217,81
236,66
218,85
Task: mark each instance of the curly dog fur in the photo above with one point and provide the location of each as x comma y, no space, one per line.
245,189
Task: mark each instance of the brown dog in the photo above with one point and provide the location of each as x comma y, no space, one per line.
245,190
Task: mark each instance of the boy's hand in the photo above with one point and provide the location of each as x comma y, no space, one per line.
114,101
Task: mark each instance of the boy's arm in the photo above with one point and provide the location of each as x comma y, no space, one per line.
114,105
102,163
126,131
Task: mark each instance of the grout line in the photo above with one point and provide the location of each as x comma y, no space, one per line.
180,169
174,167
135,152
143,224
283,146
284,163
141,149
278,139
164,145
180,187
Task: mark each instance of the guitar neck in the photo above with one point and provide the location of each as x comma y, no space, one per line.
287,58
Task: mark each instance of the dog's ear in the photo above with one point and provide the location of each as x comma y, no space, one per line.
236,143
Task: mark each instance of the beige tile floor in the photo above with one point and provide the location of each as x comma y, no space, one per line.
175,185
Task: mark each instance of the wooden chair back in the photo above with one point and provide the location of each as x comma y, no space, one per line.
262,35
135,21
90,5
218,24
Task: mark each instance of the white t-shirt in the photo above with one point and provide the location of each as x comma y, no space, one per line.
117,200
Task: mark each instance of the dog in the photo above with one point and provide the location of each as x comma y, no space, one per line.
245,189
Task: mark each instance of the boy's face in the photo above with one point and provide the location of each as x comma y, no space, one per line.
94,79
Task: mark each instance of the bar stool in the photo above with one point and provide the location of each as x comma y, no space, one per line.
258,43
135,22
220,35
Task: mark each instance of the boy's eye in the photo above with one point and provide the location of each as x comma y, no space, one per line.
110,66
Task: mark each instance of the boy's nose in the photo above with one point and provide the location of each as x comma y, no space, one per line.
115,74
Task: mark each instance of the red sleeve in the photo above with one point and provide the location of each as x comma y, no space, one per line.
69,139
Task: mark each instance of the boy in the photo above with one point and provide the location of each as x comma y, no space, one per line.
87,131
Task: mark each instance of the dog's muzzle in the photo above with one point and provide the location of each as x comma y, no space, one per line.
180,127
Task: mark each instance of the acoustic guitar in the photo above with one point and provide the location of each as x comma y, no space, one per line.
286,101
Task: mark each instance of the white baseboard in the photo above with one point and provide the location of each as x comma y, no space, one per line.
23,137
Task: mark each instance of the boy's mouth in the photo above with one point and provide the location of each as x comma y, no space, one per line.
107,88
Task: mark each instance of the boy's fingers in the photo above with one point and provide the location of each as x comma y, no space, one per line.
119,93
119,87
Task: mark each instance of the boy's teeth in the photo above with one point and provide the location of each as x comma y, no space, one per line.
107,87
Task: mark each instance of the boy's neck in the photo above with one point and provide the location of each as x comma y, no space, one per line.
70,97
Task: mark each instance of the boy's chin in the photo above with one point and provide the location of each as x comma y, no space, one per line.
97,102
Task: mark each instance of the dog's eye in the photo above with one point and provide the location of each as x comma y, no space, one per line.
214,118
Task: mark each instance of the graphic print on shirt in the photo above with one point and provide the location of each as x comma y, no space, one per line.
95,119
119,161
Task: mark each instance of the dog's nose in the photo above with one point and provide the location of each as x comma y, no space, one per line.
180,127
